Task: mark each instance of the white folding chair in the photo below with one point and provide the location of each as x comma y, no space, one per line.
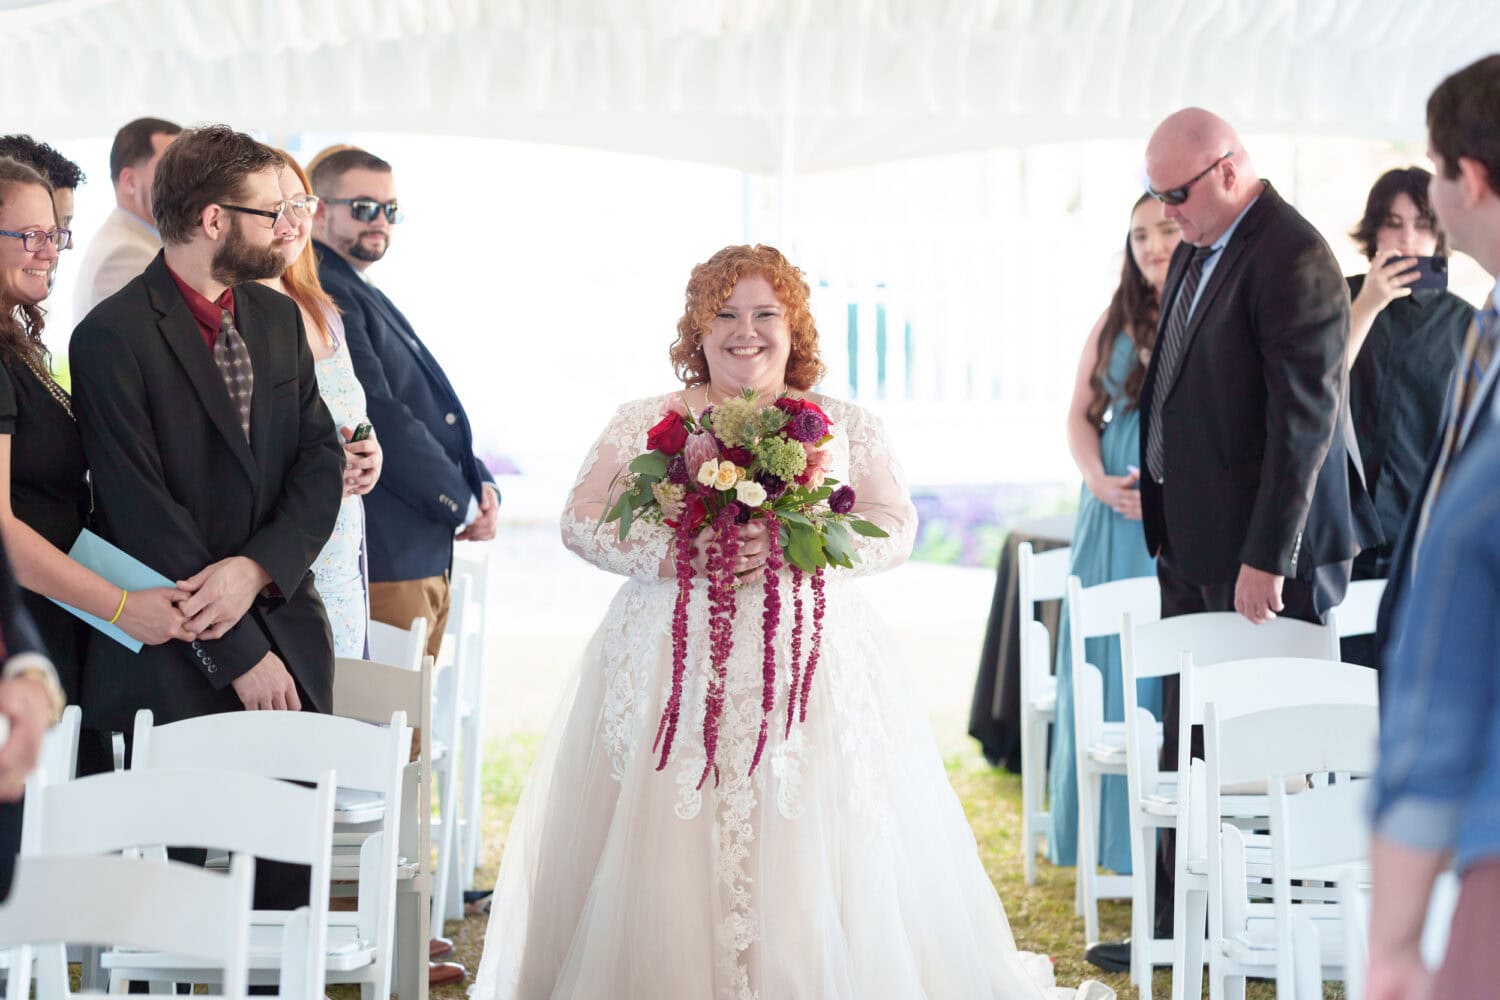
1360,607
1099,746
300,746
370,691
193,912
1318,835
1157,649
1042,577
228,810
1242,688
475,560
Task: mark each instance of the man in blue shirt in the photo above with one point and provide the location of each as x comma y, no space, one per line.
1437,789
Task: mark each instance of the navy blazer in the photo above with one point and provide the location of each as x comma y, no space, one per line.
430,471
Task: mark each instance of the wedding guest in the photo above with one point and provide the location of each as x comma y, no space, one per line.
1255,291
1437,787
1404,344
212,455
63,174
128,240
338,572
31,701
45,495
1104,437
434,484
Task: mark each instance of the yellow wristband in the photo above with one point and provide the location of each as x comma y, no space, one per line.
120,610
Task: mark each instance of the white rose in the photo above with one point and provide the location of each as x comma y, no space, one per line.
708,472
750,493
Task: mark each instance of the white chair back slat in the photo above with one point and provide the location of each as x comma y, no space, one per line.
1357,613
1097,611
1296,739
1041,576
202,914
403,647
1156,648
293,746
224,810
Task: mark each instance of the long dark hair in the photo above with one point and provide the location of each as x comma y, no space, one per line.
21,323
1133,309
1410,181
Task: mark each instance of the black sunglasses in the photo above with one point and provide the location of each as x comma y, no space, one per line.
275,216
365,209
1178,195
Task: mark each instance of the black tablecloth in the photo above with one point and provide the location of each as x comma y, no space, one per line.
995,712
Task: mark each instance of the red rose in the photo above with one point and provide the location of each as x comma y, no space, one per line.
791,406
669,436
739,456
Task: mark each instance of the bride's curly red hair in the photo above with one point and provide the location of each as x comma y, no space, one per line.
710,286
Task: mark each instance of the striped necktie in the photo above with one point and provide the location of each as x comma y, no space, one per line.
1170,349
1479,350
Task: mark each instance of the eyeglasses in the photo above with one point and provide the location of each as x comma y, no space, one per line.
304,205
365,209
265,213
36,238
1178,195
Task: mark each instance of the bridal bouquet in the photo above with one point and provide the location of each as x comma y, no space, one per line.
723,468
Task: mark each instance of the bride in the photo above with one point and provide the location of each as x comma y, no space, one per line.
845,869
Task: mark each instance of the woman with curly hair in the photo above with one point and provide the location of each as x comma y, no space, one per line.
841,868
1108,544
44,495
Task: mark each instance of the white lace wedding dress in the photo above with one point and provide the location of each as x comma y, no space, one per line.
843,869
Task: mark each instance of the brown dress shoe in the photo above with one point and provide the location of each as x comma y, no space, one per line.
443,973
438,947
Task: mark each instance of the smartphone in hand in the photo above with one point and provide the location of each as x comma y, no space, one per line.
1432,272
361,432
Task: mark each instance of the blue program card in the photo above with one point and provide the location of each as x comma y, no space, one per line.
119,568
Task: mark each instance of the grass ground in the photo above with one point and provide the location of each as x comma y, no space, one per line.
1041,915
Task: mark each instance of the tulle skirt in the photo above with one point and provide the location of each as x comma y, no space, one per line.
842,869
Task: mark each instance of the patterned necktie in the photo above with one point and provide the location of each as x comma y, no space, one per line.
233,359
1479,349
1170,349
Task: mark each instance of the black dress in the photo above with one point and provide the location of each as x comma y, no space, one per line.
49,492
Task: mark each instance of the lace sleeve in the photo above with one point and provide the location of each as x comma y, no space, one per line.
882,494
643,553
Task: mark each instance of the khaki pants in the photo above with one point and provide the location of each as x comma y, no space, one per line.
400,602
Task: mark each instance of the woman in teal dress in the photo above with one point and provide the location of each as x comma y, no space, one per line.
1108,544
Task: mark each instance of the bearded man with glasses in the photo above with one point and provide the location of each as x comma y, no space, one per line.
1252,494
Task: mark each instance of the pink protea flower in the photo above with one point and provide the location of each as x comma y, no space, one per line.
818,461
700,448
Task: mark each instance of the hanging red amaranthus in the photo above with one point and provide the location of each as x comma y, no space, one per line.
723,550
770,619
683,549
815,646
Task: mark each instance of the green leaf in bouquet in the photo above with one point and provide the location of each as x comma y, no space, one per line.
804,548
820,494
617,508
867,528
795,516
652,463
837,543
626,517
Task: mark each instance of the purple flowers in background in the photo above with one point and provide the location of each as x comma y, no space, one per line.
677,471
808,426
842,500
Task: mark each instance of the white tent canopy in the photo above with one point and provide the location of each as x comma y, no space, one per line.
772,86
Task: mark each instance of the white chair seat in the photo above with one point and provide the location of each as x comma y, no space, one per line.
350,806
1256,945
1044,698
346,952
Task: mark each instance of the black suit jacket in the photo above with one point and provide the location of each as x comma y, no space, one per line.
1399,578
430,469
177,486
1261,466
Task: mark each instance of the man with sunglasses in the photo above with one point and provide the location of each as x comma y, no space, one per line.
432,483
1251,495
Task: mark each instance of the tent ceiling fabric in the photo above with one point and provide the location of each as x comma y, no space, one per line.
763,85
